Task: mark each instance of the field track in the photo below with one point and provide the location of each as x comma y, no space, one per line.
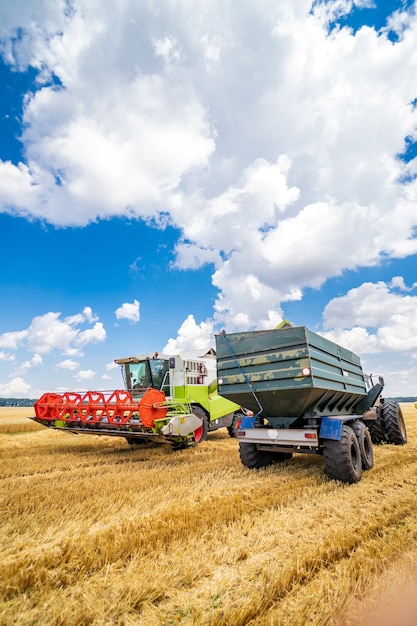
97,532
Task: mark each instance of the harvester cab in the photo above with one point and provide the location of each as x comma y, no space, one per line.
168,374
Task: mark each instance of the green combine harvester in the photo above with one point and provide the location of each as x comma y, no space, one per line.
167,399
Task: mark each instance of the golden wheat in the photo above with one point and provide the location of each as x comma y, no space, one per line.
96,532
14,420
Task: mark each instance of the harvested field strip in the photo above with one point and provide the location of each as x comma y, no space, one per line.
94,532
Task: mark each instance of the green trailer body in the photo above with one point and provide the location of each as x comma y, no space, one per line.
293,373
307,394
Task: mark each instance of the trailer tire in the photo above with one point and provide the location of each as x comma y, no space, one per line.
253,458
201,433
376,427
393,421
365,444
343,458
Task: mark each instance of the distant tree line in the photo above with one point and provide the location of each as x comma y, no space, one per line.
16,402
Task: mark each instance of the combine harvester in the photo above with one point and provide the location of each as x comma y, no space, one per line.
166,399
308,395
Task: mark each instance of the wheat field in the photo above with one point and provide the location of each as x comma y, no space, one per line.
96,532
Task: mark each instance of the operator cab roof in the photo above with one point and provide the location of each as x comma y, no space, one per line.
188,355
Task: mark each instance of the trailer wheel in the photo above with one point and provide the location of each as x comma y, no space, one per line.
202,431
365,444
343,458
253,458
376,427
394,425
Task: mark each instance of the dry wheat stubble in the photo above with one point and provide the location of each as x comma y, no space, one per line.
94,532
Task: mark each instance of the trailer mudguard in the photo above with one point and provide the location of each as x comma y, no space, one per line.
331,428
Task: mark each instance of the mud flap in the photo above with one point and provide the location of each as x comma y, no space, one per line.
331,428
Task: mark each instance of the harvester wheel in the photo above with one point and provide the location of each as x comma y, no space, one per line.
376,427
178,445
253,458
237,418
343,458
365,444
201,433
135,441
394,425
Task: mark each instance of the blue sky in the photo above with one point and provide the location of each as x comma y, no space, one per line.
170,171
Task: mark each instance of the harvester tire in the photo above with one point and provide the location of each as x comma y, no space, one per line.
394,425
201,433
253,458
135,441
177,445
343,458
376,427
237,418
365,444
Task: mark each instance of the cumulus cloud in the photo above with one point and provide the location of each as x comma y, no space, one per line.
373,318
35,361
128,311
191,336
92,335
85,375
50,332
67,364
17,387
12,340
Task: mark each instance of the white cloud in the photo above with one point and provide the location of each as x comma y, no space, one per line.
191,336
372,318
85,375
128,311
35,361
87,315
17,387
111,366
50,332
6,356
92,335
13,340
167,48
256,294
67,364
399,283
